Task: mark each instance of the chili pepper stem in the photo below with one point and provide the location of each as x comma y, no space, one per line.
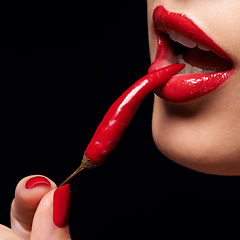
86,164
79,169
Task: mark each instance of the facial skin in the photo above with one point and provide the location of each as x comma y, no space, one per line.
203,134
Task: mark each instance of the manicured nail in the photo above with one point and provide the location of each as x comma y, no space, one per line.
36,181
61,205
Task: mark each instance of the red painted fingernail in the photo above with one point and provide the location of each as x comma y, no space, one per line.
36,181
61,206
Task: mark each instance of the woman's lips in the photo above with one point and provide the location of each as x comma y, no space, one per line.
186,87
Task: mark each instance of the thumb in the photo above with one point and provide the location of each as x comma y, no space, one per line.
51,217
28,194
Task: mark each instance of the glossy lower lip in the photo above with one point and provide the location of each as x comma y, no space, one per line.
185,87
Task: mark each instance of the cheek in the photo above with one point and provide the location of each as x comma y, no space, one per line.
151,31
152,41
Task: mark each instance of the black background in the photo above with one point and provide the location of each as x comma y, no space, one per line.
61,67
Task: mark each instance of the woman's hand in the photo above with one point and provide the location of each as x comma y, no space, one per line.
38,211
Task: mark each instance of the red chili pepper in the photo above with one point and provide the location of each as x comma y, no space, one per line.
119,115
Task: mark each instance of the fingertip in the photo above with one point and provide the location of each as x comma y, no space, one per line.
51,221
61,206
37,181
31,189
28,194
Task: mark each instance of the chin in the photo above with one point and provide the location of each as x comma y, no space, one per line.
201,141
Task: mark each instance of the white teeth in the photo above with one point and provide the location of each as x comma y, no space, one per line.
197,70
173,35
203,48
209,71
180,59
181,39
184,41
189,69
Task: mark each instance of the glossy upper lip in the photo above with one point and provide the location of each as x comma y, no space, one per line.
164,20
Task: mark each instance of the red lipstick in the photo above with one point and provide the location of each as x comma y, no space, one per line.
186,87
